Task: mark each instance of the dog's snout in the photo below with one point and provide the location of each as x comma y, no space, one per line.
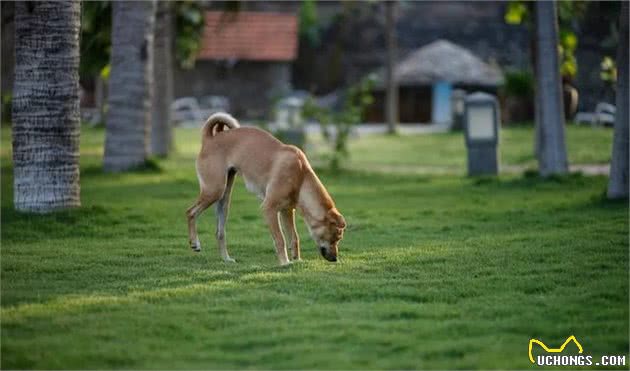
327,255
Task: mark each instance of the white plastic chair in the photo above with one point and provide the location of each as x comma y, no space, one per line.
604,115
186,112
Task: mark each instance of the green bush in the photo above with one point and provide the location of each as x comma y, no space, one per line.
7,98
518,83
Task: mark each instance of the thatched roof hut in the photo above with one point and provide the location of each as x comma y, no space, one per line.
442,60
426,78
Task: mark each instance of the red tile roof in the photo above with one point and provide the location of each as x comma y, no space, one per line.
258,36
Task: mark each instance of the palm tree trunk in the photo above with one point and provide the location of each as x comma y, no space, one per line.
533,52
618,183
161,129
391,105
46,119
553,152
128,127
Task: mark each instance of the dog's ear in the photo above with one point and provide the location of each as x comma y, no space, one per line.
336,218
341,222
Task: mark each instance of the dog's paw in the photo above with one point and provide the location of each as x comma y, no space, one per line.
229,260
195,245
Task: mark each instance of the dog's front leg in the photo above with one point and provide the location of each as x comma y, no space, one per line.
287,219
271,217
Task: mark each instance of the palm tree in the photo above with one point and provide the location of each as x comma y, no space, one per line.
127,138
46,119
161,129
618,183
391,105
553,153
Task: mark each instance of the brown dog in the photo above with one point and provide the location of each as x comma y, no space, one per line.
279,174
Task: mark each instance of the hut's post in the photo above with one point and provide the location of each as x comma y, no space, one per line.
441,102
391,100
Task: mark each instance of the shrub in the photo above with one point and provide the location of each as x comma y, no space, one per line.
518,83
337,125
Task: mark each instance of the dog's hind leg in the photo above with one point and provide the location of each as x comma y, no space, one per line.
212,189
203,202
287,219
223,208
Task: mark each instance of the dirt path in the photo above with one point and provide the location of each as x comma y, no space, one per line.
586,169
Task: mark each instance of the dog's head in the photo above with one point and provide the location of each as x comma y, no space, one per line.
328,232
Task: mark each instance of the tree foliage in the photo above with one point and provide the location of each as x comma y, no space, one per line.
309,27
96,30
569,12
608,71
96,37
189,32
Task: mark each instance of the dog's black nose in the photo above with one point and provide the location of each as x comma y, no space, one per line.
326,255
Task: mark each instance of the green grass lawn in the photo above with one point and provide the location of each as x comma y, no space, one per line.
436,272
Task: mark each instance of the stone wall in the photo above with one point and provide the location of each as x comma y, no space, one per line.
252,87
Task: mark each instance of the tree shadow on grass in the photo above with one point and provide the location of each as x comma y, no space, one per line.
103,206
150,166
532,181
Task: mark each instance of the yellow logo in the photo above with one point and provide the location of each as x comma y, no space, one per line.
553,350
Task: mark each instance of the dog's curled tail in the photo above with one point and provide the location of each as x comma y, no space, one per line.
217,122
